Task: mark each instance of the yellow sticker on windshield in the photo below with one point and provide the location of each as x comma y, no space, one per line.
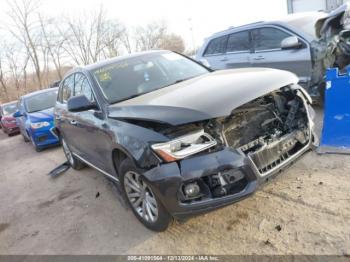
104,76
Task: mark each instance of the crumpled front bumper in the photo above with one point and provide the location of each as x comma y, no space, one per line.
167,179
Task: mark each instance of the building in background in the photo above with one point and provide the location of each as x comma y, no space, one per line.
296,6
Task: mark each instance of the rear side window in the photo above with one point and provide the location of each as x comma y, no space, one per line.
67,89
238,42
268,38
216,46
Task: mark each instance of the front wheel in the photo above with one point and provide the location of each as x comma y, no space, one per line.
74,162
25,138
141,198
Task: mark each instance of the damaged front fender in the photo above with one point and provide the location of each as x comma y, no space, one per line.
332,49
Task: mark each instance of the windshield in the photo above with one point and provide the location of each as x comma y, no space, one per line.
41,101
9,109
136,76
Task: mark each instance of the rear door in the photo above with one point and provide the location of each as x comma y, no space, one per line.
268,52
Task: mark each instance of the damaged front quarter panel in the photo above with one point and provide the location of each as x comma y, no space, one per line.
332,49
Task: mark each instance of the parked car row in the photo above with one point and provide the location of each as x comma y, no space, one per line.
32,117
7,120
179,138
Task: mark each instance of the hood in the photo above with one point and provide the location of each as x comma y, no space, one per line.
208,96
44,115
8,118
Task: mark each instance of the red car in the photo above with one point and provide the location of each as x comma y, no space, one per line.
8,122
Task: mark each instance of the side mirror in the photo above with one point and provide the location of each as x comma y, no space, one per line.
291,42
80,103
17,114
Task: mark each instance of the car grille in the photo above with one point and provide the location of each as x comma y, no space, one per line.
267,156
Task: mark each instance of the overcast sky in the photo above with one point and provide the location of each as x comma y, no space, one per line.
207,16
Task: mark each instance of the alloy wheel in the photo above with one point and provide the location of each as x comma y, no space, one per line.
141,197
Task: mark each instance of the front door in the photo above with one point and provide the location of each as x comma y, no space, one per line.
92,139
268,53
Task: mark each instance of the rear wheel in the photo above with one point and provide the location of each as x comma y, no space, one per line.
141,198
74,162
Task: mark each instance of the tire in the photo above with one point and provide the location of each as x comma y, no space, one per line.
25,138
74,162
38,149
148,210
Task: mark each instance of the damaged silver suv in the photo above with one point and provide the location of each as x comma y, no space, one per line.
305,44
178,138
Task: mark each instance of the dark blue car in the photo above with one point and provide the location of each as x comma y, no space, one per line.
36,119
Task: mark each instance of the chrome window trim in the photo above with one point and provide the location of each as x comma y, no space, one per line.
238,52
216,54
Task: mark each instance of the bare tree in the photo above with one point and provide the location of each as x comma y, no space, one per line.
115,37
13,58
126,41
84,37
3,79
150,36
172,42
52,42
24,29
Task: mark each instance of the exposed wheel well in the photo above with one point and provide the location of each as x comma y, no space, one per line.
58,132
118,157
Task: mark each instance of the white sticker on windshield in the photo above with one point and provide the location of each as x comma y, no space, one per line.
171,56
328,84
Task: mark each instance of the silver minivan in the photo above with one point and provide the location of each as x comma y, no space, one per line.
305,44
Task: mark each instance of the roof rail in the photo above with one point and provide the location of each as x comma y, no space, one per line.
259,22
232,27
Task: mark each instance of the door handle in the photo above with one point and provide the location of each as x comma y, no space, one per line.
73,122
259,58
224,59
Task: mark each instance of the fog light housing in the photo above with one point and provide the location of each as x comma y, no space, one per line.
191,190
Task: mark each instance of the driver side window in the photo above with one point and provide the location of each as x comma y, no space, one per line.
268,38
67,89
82,87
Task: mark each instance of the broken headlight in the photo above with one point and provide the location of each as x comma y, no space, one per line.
184,146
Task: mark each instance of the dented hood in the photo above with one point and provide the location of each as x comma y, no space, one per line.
208,96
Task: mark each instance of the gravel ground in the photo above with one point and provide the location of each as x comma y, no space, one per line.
305,210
